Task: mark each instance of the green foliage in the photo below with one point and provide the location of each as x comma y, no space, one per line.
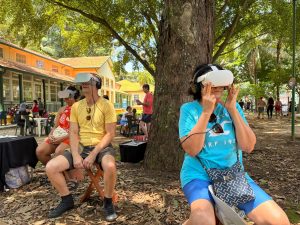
253,53
142,77
246,35
79,27
262,89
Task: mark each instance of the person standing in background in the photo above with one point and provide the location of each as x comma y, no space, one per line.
147,110
270,107
241,103
261,107
41,107
35,109
278,108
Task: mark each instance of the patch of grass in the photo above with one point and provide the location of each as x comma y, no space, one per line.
292,214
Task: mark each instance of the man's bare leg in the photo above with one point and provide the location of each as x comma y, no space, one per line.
143,126
54,170
148,127
110,177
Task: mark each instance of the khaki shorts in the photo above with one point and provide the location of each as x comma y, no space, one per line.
109,150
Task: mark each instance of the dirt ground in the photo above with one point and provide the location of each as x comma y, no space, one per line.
151,197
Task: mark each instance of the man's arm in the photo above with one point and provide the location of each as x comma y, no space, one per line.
74,144
74,138
143,103
110,129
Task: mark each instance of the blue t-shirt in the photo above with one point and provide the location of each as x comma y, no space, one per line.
219,150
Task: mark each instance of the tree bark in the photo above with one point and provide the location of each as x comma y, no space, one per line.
278,52
185,41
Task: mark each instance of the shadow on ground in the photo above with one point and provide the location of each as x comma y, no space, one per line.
151,197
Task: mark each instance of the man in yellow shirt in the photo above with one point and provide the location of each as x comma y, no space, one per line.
92,129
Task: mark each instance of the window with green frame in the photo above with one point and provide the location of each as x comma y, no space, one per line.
27,90
15,90
6,90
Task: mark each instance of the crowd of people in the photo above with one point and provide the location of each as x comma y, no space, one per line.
36,109
268,106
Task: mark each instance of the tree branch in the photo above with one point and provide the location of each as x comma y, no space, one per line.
114,33
242,44
221,9
147,53
221,35
230,31
151,25
241,29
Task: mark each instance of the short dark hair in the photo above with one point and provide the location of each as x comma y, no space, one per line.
146,86
77,93
199,71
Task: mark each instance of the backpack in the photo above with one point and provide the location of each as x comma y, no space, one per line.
17,177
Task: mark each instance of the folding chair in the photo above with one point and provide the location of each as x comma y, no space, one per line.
95,184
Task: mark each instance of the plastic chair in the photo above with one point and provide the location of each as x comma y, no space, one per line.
95,184
20,124
226,214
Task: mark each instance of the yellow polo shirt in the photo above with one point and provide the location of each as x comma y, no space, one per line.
92,131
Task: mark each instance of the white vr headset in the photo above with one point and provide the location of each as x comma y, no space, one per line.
85,77
218,78
66,93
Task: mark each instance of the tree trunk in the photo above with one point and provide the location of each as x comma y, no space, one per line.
186,40
278,52
298,107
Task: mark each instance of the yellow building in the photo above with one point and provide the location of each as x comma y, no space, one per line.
101,65
28,75
134,91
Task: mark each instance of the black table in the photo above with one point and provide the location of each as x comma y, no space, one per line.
16,152
132,151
